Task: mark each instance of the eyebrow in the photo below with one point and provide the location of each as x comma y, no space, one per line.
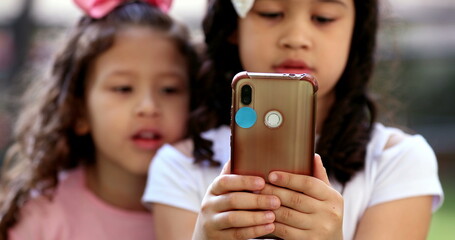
119,73
340,2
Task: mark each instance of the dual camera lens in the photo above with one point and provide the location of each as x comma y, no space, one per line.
246,94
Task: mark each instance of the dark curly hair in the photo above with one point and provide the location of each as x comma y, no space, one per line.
349,125
45,142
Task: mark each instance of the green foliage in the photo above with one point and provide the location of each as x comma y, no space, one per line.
443,222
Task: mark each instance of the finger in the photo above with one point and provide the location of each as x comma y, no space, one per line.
226,168
319,170
308,185
248,233
240,219
245,201
307,226
231,182
293,218
292,199
290,233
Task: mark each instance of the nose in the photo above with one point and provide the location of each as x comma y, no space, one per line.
296,35
147,106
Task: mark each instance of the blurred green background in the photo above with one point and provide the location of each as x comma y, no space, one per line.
415,74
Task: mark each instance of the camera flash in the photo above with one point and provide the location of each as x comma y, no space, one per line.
273,119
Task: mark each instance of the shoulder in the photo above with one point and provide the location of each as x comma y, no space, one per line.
401,164
43,217
390,145
177,159
181,153
393,141
218,133
53,208
173,175
33,217
221,138
40,208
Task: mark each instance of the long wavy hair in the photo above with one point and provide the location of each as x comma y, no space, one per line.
45,142
349,125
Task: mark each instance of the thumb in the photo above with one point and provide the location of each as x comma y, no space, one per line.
319,169
226,168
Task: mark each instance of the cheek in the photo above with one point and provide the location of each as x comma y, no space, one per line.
101,110
343,46
337,60
178,111
252,55
336,55
246,59
249,42
177,124
181,112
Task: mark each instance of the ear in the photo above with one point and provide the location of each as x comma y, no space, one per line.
234,38
81,127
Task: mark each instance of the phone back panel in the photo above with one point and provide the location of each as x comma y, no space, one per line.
259,149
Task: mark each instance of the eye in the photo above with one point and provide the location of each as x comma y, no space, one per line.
322,20
122,89
271,15
170,90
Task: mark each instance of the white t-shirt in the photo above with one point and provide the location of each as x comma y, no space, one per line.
405,170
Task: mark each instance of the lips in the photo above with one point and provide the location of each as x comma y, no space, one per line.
147,139
293,66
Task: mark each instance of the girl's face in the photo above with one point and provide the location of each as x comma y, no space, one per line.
137,99
298,36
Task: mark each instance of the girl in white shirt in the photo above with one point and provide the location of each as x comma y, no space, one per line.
378,182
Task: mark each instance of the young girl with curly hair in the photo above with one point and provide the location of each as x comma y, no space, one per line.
119,90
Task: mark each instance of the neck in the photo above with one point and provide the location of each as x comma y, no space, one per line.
116,186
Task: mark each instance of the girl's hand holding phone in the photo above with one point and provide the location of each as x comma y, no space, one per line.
310,207
226,209
294,207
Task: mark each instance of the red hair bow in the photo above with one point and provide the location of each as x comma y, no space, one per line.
100,8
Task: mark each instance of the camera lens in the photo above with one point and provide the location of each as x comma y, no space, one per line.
245,96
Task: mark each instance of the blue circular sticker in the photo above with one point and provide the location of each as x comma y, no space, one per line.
245,117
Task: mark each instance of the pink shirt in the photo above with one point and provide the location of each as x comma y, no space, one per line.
76,213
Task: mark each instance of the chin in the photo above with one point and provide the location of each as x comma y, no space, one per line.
141,168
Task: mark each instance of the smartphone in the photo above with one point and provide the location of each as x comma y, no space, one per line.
273,123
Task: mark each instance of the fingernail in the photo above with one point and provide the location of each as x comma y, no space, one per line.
270,216
274,202
273,177
258,182
269,227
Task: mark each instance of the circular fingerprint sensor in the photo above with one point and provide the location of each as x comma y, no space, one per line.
245,117
273,119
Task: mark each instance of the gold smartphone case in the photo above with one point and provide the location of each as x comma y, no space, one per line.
281,135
